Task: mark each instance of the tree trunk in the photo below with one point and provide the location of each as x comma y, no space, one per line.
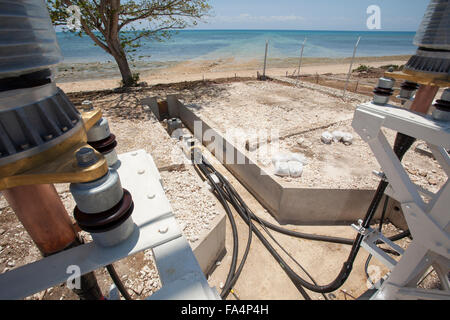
125,71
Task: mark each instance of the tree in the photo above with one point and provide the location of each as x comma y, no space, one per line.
112,25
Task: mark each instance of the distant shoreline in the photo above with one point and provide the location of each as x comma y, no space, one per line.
70,72
100,76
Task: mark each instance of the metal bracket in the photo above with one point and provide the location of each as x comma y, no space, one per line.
155,227
428,222
57,164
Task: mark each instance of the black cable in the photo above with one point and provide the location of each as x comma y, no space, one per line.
291,274
231,193
116,279
401,145
227,289
224,203
314,237
233,274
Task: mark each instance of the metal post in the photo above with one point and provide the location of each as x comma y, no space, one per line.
351,65
43,215
265,61
300,62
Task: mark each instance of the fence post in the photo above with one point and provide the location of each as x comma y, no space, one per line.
265,61
300,62
350,69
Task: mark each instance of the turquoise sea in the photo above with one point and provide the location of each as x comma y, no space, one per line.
247,44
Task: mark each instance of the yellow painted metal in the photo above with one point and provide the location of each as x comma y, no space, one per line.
57,164
420,78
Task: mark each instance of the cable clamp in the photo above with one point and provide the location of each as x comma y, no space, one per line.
360,229
215,178
380,174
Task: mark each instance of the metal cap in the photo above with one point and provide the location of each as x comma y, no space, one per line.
386,83
446,95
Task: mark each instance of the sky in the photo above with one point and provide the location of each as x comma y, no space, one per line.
395,15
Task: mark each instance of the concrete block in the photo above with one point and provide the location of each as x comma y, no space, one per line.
288,205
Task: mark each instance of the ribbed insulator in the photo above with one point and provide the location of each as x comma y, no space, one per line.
33,120
434,31
27,38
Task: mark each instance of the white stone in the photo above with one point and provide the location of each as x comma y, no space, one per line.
326,137
295,169
281,169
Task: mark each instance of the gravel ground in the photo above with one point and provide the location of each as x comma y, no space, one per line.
301,115
342,166
276,104
134,129
192,202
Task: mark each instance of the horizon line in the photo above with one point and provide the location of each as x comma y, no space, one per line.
239,29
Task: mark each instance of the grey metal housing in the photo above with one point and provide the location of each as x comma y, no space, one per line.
99,195
33,120
27,38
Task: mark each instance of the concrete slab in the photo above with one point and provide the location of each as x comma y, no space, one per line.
288,204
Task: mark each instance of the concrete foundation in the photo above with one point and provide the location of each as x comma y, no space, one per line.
211,246
288,204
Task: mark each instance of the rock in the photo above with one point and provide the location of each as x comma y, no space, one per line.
432,180
11,263
347,138
423,173
326,137
295,169
2,231
281,169
337,136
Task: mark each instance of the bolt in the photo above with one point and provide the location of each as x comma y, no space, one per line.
151,196
141,171
134,154
86,157
87,105
163,229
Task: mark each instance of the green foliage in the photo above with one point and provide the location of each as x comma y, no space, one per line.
118,27
394,67
135,81
363,68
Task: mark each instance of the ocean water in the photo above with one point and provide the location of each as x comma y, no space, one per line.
247,44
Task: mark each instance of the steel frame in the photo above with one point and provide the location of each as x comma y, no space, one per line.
428,221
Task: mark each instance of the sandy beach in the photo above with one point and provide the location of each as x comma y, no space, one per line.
101,76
